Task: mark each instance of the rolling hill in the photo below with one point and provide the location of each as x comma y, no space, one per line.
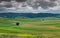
28,15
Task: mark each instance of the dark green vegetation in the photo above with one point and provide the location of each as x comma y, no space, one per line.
29,28
28,15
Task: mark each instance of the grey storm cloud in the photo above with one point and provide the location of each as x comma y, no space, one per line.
5,4
32,3
52,0
16,0
43,3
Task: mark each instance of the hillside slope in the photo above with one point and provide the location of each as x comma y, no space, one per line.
28,15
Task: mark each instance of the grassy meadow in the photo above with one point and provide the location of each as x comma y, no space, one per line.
29,28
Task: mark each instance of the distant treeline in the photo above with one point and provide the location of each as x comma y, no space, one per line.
28,15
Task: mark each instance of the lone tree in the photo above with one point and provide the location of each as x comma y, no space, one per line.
17,23
42,19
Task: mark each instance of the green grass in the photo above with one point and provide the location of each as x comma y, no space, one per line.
29,28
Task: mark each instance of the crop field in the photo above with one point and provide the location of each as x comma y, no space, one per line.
29,28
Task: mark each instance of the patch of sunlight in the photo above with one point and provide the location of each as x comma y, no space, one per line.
25,35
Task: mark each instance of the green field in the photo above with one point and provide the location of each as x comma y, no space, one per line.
29,28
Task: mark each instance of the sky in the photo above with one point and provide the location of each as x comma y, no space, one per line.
30,6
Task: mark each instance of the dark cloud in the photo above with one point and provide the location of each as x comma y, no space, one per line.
5,0
16,0
32,3
53,0
45,4
21,0
8,6
5,4
42,3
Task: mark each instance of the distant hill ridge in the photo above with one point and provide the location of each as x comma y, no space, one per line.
28,15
